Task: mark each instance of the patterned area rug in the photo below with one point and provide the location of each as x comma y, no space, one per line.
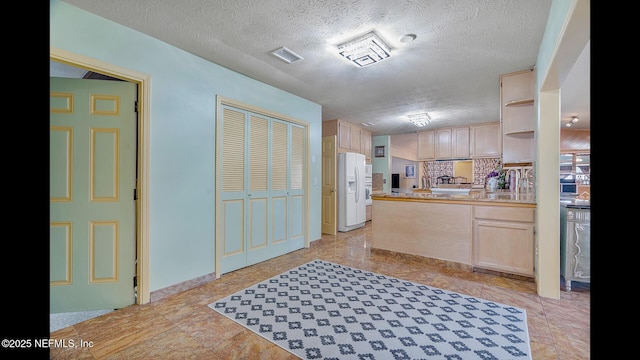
322,310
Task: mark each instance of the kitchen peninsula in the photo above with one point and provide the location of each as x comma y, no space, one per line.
491,231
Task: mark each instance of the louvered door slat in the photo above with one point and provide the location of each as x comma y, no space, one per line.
233,151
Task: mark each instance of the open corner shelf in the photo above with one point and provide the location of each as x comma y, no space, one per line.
526,132
522,102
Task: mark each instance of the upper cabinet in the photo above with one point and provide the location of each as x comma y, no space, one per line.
443,143
460,142
485,140
355,144
518,116
365,144
351,138
452,143
426,145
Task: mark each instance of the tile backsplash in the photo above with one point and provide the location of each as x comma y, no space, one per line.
481,167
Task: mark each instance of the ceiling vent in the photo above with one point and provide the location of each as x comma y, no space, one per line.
286,55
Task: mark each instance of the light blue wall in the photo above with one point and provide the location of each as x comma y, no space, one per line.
382,164
182,128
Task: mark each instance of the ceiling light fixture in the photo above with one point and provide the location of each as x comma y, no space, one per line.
286,55
365,50
407,38
573,120
419,120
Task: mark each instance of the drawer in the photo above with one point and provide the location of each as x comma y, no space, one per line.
504,213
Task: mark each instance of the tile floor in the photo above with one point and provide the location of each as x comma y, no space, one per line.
62,320
182,326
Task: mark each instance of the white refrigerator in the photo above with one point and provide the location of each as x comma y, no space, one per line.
351,191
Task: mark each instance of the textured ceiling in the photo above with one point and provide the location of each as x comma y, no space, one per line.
451,70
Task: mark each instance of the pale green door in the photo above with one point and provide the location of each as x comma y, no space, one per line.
92,176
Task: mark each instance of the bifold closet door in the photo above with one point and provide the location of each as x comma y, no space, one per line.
262,202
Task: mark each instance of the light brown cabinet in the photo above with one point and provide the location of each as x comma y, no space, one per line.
518,116
351,138
485,140
460,142
503,239
356,140
452,143
365,145
430,229
426,145
443,143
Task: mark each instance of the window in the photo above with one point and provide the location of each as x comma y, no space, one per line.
575,166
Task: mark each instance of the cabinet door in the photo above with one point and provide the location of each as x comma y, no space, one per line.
484,140
366,145
427,145
460,142
443,144
355,139
344,136
504,246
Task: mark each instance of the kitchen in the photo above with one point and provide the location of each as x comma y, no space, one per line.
481,228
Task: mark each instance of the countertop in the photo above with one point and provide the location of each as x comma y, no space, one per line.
474,196
575,203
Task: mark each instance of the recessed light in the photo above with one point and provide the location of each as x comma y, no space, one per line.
407,38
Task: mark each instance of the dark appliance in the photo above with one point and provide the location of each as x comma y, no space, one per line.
395,181
568,187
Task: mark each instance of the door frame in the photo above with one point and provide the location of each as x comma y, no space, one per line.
143,82
333,186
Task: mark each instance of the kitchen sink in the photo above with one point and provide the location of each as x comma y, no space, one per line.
450,191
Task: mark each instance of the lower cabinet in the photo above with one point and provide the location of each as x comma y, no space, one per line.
368,213
503,239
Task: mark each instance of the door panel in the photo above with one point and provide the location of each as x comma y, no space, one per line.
279,175
232,130
258,195
297,179
92,181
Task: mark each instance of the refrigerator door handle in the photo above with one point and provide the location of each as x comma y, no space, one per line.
357,184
